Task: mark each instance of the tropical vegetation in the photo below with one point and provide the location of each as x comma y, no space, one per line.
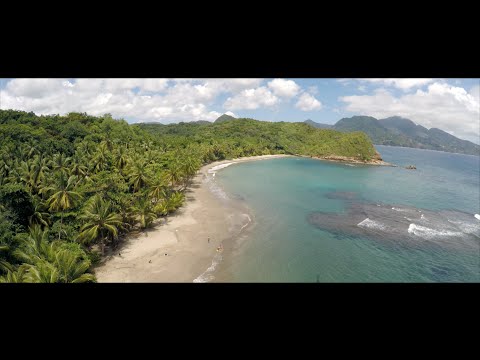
72,187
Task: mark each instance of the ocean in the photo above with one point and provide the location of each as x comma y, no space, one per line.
319,221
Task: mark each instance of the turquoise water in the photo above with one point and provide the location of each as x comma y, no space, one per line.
306,214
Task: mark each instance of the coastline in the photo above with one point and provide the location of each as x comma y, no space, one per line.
350,160
189,238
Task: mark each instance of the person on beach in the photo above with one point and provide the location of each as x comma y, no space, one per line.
209,240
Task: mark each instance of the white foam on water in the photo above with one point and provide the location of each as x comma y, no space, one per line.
477,216
428,233
207,275
422,217
218,167
371,224
397,209
249,221
467,228
215,189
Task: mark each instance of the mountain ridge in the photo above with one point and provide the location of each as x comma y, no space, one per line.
399,131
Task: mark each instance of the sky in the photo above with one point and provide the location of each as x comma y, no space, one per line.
452,105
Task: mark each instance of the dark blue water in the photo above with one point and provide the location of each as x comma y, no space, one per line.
317,220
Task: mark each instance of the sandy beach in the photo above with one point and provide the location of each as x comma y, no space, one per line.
184,249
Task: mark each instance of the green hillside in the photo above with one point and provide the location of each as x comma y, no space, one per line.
224,118
248,137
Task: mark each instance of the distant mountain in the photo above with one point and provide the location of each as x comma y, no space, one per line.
433,138
407,127
317,125
224,118
398,131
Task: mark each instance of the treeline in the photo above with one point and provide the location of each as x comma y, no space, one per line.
249,137
71,187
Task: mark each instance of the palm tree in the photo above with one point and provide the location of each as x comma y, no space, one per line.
72,268
174,173
4,265
150,156
100,222
42,272
5,166
45,261
101,158
40,215
31,150
127,214
144,212
84,148
17,172
157,190
26,175
190,167
36,246
64,196
161,208
77,168
138,175
121,158
60,163
40,168
174,201
15,276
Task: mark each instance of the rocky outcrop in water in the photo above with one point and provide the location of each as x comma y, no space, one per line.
375,160
411,167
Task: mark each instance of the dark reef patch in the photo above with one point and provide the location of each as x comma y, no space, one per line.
400,224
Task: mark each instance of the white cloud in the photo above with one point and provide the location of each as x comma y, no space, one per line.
235,85
475,92
345,81
251,99
443,106
284,88
36,88
404,83
231,114
307,102
166,100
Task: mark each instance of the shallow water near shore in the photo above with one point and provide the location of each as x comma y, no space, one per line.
314,220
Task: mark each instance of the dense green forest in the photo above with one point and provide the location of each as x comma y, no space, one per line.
72,187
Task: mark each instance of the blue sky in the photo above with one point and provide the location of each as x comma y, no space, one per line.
449,104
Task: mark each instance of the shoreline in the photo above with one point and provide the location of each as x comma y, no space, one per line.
183,246
351,160
184,249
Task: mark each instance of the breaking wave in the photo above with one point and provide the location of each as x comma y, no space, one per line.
372,224
218,167
428,233
207,275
